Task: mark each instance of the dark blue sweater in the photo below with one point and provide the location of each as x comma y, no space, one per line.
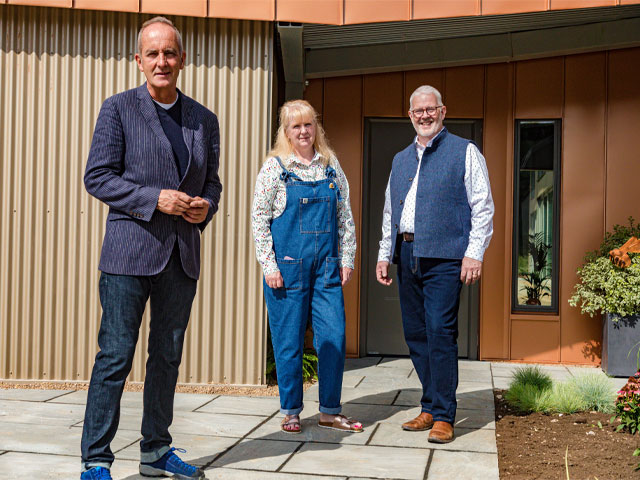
171,121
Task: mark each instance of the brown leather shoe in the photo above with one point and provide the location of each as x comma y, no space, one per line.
424,421
442,432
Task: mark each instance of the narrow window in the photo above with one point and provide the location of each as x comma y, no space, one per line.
536,216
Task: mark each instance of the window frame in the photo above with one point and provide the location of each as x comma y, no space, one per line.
552,309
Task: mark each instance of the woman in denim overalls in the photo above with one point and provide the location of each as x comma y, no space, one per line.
305,241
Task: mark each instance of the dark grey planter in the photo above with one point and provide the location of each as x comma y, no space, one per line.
618,339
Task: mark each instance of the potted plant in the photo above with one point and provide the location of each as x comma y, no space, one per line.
613,291
538,276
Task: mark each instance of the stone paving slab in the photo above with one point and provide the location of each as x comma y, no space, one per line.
391,382
182,401
231,474
360,363
378,395
30,395
311,432
446,465
370,415
557,372
310,429
470,396
200,449
203,423
48,439
475,375
358,460
501,383
258,454
260,406
577,369
475,419
396,363
474,365
618,383
40,413
467,439
352,380
16,465
516,365
383,372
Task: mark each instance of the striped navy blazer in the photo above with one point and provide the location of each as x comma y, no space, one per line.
130,161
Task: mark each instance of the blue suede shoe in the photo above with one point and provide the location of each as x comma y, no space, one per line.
170,465
96,473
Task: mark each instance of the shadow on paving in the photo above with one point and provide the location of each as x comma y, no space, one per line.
371,410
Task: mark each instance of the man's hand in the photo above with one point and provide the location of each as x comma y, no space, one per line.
345,275
274,280
471,270
197,211
382,273
173,202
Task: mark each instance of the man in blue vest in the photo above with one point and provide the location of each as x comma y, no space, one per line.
437,223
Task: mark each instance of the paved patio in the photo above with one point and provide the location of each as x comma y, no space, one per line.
239,437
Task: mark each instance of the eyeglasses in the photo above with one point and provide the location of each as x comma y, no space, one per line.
420,112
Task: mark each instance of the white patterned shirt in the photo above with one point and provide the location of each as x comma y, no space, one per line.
270,200
476,182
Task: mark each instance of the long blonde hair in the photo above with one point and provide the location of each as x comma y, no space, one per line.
300,109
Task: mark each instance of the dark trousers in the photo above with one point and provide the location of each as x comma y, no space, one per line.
123,300
429,298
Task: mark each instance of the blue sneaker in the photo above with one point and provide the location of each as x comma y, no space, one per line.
170,465
96,473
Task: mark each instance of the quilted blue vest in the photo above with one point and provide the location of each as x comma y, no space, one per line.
443,214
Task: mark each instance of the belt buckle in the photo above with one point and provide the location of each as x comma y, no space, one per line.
407,237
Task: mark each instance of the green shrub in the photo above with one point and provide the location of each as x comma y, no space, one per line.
529,390
532,390
532,375
309,365
596,391
604,287
566,399
528,398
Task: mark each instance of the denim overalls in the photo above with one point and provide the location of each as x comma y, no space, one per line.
305,241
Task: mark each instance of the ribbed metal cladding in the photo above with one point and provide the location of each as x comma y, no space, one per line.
56,68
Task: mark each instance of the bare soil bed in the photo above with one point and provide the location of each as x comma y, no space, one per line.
534,446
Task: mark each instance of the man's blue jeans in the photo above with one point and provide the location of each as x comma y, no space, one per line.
123,300
429,298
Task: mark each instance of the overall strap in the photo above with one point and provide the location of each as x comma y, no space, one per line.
286,175
331,174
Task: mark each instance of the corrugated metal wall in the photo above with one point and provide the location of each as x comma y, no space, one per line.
56,68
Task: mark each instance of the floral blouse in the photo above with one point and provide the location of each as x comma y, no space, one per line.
270,200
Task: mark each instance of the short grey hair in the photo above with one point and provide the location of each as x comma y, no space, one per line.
426,90
164,20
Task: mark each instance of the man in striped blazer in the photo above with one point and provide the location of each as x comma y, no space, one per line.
154,162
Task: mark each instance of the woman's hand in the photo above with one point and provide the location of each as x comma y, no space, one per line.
274,280
345,275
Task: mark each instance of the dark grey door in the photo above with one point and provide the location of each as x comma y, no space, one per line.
380,307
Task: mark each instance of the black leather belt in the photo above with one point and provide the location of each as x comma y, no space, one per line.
407,237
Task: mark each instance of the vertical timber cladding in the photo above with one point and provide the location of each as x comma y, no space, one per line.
56,68
593,93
